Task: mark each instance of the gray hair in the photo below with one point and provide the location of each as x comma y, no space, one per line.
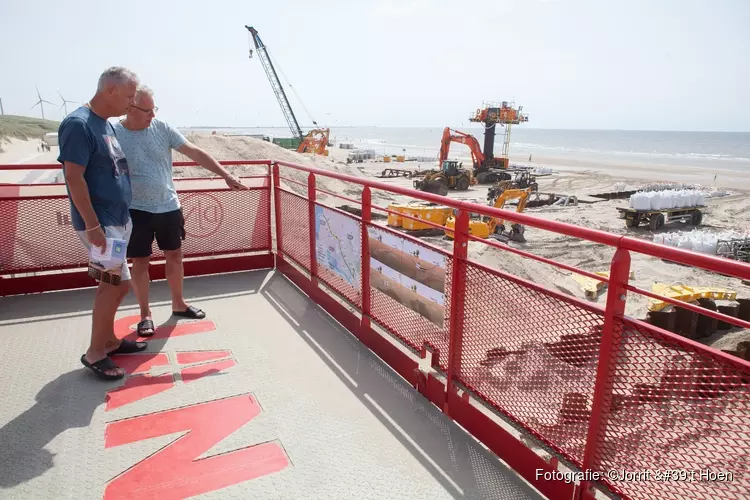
145,90
117,75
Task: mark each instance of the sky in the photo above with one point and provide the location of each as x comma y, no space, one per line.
571,64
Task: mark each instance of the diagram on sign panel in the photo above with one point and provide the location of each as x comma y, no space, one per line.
338,244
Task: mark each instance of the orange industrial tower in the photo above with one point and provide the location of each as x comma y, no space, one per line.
491,114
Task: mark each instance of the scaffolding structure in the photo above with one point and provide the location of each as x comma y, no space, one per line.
503,113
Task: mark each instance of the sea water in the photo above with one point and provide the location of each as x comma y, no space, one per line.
709,150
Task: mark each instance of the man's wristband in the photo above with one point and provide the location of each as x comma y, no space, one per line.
94,228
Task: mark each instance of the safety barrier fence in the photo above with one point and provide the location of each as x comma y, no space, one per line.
625,404
40,251
609,394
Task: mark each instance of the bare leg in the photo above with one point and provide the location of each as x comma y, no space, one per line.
141,282
103,340
175,276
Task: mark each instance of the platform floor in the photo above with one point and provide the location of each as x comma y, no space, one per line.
272,397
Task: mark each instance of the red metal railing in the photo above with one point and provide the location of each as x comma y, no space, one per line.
36,235
603,391
566,373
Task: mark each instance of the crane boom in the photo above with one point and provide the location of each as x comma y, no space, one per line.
286,108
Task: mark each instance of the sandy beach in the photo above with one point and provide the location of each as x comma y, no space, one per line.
728,209
17,151
622,171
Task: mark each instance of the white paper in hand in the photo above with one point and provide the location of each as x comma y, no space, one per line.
113,256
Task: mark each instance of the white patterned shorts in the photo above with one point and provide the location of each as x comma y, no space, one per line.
120,233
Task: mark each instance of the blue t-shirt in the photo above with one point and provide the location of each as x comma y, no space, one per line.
89,140
149,154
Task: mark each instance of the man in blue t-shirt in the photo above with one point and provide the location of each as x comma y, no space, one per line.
98,183
155,209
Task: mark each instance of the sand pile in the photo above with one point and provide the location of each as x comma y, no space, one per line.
224,147
725,213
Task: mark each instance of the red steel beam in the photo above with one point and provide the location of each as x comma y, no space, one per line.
178,164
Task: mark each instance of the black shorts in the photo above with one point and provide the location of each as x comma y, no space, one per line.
168,228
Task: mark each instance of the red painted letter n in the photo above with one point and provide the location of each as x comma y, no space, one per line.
173,473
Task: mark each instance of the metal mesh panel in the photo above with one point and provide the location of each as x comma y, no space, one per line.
675,408
408,325
351,248
295,228
531,354
36,234
225,222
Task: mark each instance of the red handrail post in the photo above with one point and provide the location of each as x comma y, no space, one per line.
277,206
610,344
269,234
458,292
311,196
365,267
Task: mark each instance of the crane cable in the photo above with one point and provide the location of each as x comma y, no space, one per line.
251,44
289,84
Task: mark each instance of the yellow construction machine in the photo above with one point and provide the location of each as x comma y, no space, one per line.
450,176
424,211
486,227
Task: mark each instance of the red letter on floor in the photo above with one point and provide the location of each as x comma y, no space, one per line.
188,357
173,473
137,388
196,372
123,329
138,363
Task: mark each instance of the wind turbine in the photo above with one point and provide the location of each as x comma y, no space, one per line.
40,102
65,103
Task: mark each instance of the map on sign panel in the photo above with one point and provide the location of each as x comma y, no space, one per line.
338,244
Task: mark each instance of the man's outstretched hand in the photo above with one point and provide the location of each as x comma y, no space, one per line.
235,184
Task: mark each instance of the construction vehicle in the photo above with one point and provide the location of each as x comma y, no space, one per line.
525,180
486,227
485,168
657,218
451,176
522,180
490,115
315,141
432,212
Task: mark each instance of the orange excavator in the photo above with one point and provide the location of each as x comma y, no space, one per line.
486,170
315,141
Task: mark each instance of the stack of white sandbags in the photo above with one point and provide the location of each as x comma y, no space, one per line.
697,240
708,191
717,193
542,170
668,186
661,200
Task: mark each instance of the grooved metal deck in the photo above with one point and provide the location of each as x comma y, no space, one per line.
304,408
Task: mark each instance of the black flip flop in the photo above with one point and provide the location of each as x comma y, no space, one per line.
146,324
192,312
128,347
101,367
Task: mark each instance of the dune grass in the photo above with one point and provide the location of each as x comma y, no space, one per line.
24,128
